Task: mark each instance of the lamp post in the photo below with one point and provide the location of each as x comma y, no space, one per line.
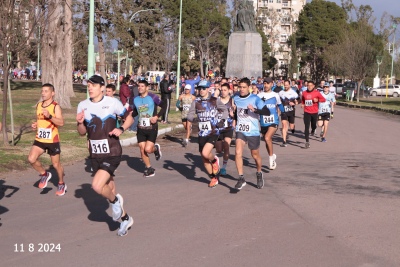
90,67
394,38
118,52
178,68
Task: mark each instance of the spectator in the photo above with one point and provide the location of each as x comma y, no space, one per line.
124,93
166,90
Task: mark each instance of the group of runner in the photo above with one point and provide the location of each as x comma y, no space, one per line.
219,116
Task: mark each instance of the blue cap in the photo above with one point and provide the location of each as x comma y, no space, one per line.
326,84
203,83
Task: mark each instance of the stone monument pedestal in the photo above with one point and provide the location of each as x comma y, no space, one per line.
244,55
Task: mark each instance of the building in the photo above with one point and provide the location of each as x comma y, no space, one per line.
277,19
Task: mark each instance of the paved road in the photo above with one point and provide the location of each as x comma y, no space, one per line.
336,204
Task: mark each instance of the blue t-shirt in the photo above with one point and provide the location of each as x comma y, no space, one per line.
247,122
271,100
326,107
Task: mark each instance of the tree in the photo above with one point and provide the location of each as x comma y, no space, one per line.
57,51
320,24
18,24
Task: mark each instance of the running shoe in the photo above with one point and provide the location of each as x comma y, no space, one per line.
213,183
215,166
222,172
323,140
44,179
260,180
313,133
61,189
158,153
185,142
272,162
117,208
125,226
149,172
321,134
331,116
307,145
293,131
284,144
241,183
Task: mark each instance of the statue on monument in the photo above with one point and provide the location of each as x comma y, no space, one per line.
245,17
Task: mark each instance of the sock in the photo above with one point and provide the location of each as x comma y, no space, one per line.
115,200
44,174
271,157
213,161
61,183
211,175
125,218
241,176
224,164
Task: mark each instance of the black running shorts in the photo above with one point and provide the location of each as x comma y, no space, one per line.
264,130
288,116
324,116
146,135
51,148
108,164
203,140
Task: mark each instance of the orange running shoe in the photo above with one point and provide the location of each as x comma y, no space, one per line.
215,166
61,189
44,179
213,183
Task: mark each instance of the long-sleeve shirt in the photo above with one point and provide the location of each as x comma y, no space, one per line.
308,101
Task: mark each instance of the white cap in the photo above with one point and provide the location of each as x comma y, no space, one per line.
188,86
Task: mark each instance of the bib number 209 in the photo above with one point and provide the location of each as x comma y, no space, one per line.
244,127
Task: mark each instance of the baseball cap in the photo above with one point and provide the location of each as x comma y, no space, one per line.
326,84
203,83
96,79
268,80
187,86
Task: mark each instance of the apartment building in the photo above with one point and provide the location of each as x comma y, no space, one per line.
277,18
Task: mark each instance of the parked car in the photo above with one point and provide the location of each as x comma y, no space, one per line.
393,90
364,90
339,88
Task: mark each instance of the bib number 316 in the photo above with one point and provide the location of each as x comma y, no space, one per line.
100,146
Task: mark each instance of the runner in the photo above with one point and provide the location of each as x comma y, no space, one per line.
145,105
324,111
247,130
96,116
310,99
289,100
226,134
110,90
211,113
269,118
48,119
184,102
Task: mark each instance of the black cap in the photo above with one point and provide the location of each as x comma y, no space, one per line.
96,79
268,80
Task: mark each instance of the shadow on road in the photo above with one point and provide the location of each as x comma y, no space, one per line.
3,189
96,205
135,163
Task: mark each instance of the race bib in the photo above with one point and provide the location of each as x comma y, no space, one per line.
185,107
44,133
308,103
144,122
226,124
325,110
288,108
205,126
243,127
100,146
269,119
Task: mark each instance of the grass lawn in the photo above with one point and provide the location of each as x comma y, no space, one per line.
25,96
387,103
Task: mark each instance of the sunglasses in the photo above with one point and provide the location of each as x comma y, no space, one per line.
203,88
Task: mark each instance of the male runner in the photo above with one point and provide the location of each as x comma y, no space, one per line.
269,118
145,105
289,100
324,111
48,119
310,99
211,113
226,134
247,130
184,102
97,116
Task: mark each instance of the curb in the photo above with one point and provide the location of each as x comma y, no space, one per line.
133,140
391,111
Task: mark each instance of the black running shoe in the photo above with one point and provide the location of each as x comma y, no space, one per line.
284,144
157,152
260,180
149,172
293,131
241,183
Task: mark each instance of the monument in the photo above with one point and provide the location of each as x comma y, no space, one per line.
245,45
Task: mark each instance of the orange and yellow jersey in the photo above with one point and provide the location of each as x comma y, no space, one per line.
47,132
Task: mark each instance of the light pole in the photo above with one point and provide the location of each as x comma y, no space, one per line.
394,38
118,52
38,59
178,68
90,67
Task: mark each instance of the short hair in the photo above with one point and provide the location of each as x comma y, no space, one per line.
226,85
110,85
126,80
246,81
311,82
49,85
286,81
217,82
146,83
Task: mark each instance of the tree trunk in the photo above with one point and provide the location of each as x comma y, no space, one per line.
5,94
102,53
57,51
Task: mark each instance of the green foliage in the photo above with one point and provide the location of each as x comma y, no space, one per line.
268,61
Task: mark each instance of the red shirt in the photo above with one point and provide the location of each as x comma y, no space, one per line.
308,101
